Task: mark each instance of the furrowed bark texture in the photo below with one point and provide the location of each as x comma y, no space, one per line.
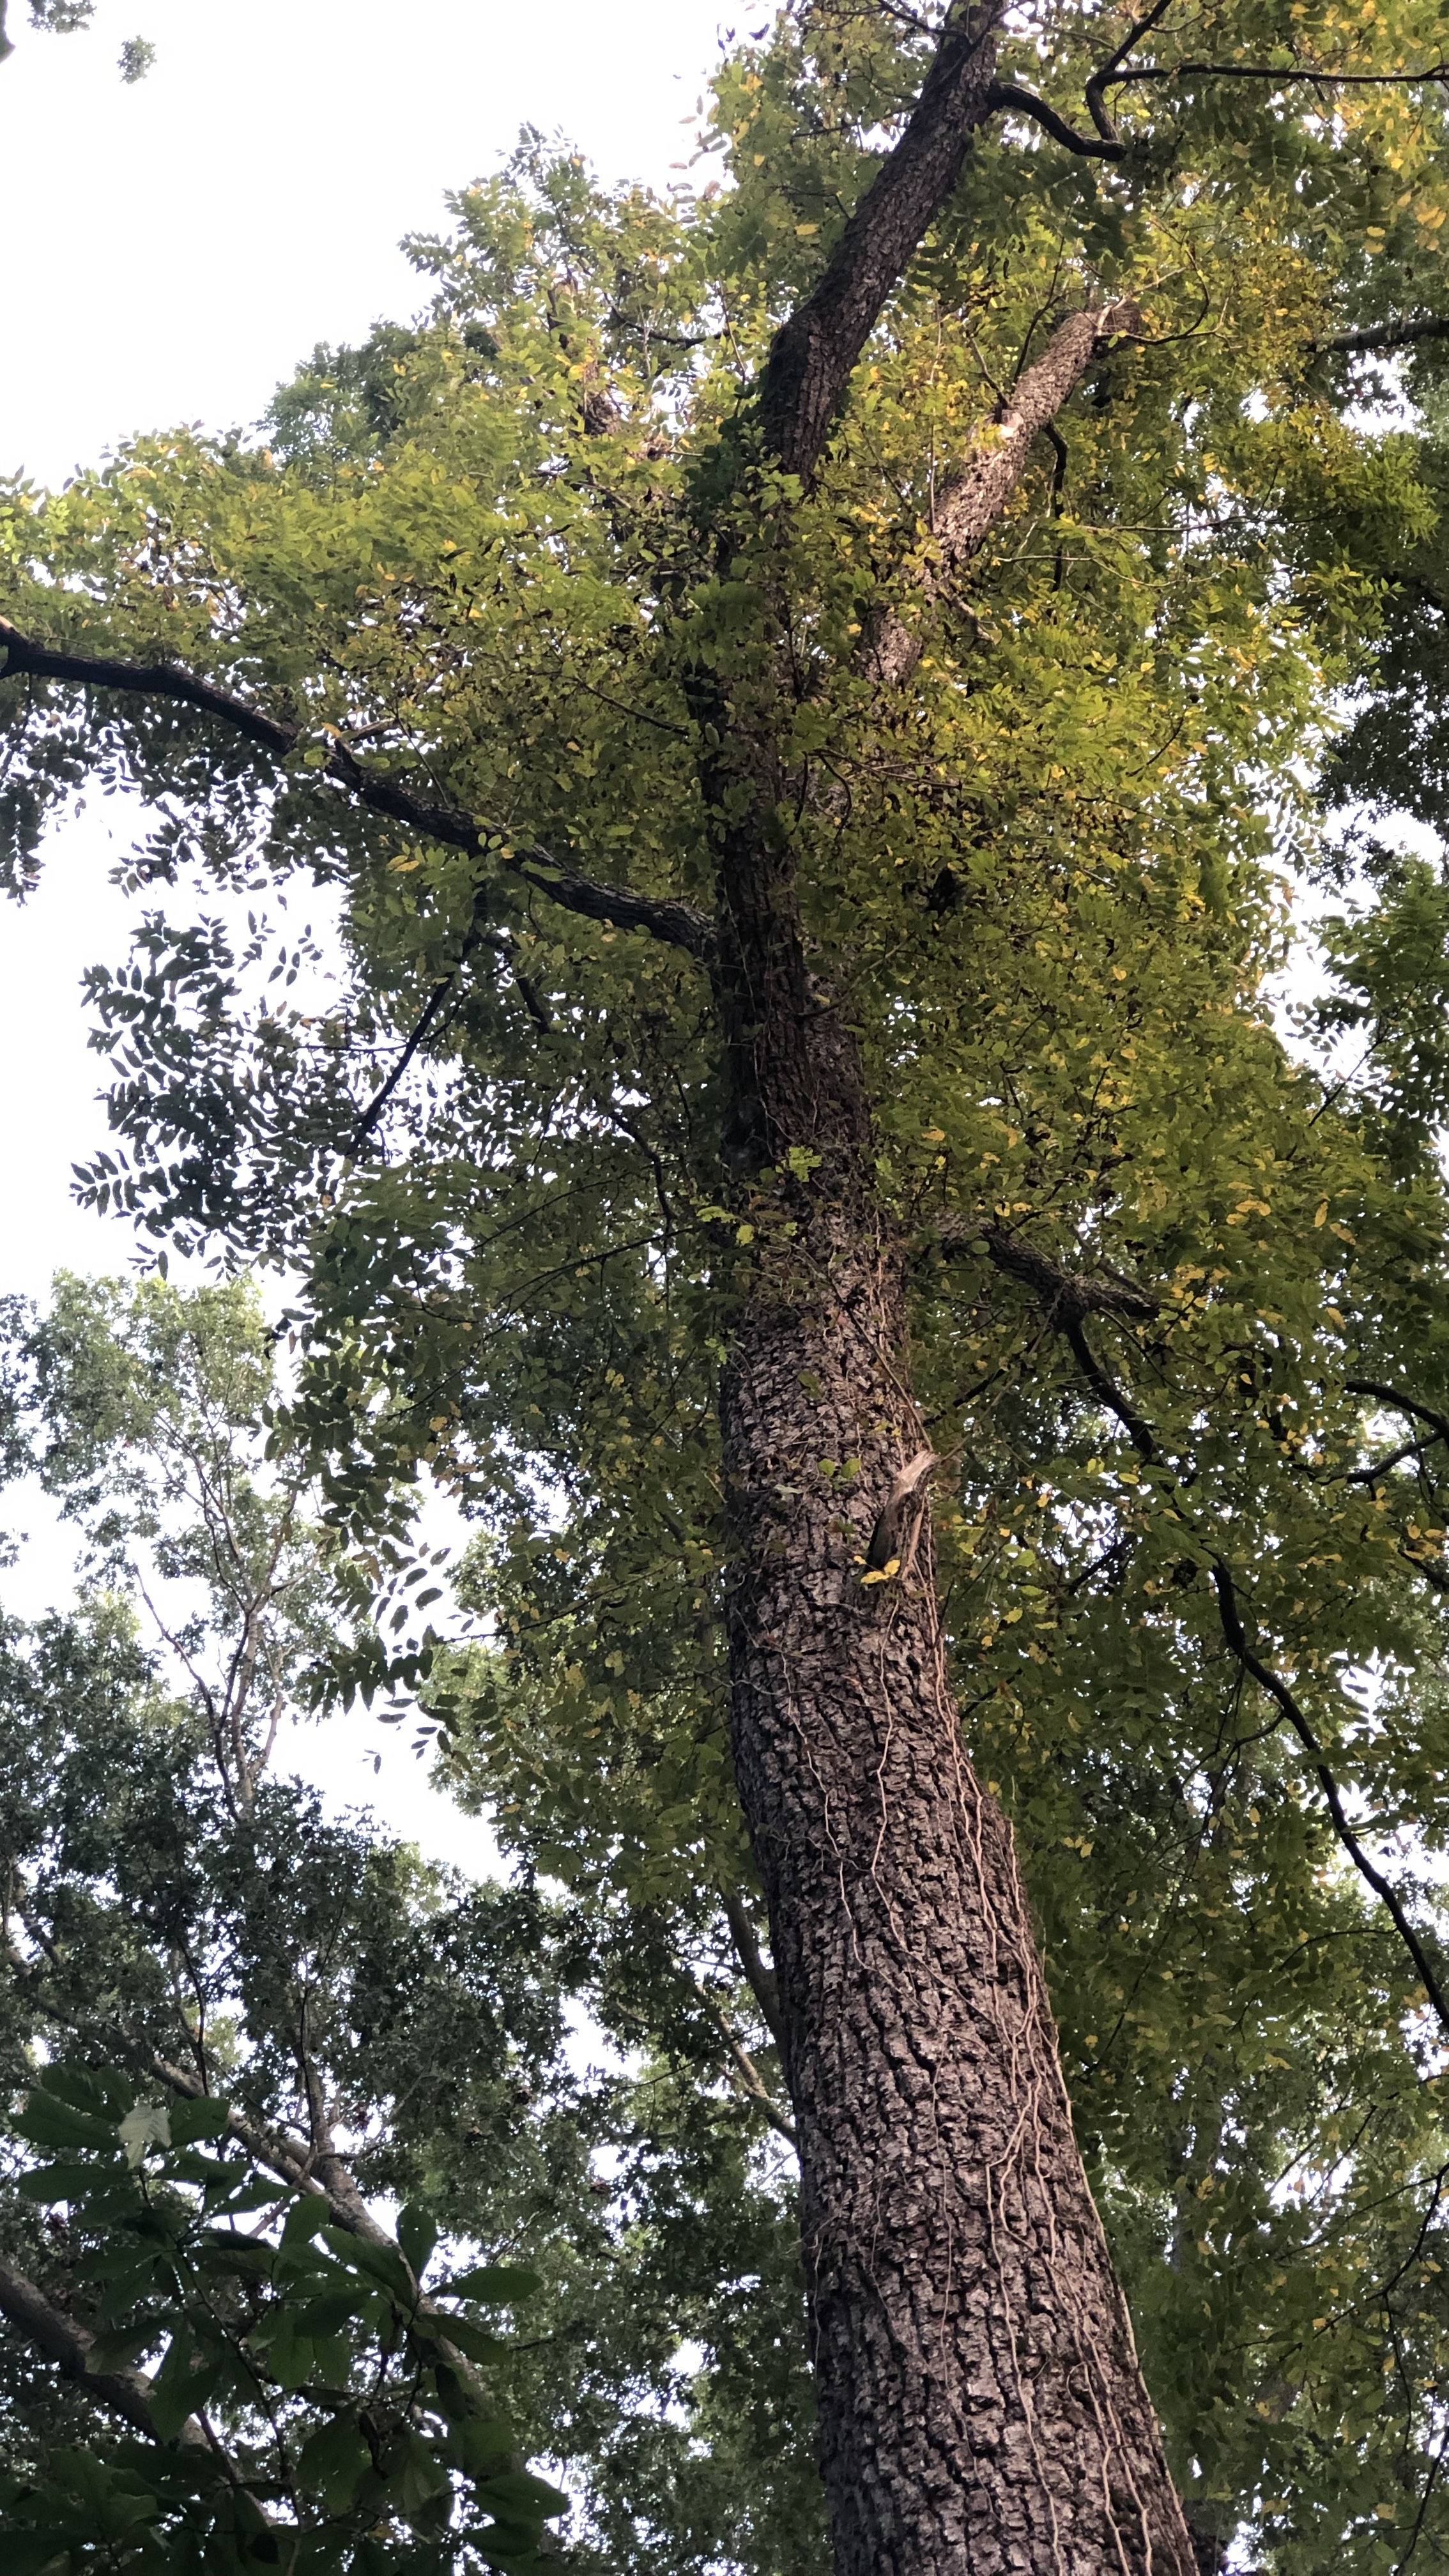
980,2402
813,354
970,501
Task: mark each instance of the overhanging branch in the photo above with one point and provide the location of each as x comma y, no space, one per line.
314,2165
680,924
1282,78
1096,86
1067,1296
1062,1296
426,1021
125,2392
1397,1402
1108,1393
1106,144
1088,147
1278,1691
1386,335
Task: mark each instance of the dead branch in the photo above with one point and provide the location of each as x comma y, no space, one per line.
902,1507
972,500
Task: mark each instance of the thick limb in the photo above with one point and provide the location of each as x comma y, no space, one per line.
124,2392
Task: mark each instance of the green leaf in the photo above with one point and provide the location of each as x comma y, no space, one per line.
68,2182
476,2344
333,2462
501,2282
484,2445
46,2121
146,2127
184,2382
519,2491
101,2089
413,2473
377,2262
417,2234
195,2119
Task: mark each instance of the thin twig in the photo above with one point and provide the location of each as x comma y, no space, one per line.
1277,1689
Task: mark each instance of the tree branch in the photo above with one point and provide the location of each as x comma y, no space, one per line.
1063,1307
1278,1690
125,2392
760,1979
1096,102
1067,1296
1267,72
424,1022
1386,335
289,2158
813,353
1090,147
753,2083
146,679
742,2070
678,923
1398,1403
1108,1393
972,500
320,2169
1106,144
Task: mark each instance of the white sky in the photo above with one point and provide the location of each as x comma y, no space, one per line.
174,250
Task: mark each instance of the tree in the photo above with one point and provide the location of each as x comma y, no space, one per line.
190,1948
211,2339
63,17
806,873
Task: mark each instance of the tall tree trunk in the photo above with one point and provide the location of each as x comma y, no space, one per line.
980,2402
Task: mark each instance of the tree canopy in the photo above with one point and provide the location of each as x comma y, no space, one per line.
1047,682
64,17
239,2029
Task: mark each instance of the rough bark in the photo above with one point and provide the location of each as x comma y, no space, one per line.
979,2397
980,2402
813,353
972,499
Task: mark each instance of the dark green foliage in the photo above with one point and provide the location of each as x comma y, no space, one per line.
183,1915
